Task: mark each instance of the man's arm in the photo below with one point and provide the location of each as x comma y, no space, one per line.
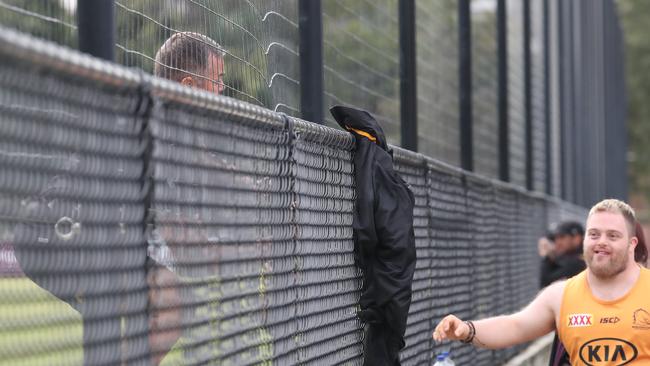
535,320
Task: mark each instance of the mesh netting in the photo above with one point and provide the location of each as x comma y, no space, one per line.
437,82
484,88
258,41
250,50
53,20
361,59
516,95
538,97
72,208
174,225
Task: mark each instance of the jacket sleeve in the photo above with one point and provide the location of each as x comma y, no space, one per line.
394,222
365,235
395,252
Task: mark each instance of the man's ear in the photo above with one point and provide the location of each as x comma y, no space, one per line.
188,81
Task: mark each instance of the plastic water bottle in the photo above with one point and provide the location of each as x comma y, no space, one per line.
440,360
448,360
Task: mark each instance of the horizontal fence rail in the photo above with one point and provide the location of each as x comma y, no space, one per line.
146,216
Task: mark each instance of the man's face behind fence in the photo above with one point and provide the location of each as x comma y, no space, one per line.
211,79
193,60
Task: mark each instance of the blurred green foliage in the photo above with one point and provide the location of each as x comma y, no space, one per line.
361,59
635,17
44,19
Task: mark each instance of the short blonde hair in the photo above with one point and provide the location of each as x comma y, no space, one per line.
617,206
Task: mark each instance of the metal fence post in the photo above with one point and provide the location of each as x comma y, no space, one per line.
547,98
311,60
408,75
573,95
465,84
502,59
96,27
96,31
528,115
562,91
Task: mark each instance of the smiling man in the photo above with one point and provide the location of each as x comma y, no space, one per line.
602,315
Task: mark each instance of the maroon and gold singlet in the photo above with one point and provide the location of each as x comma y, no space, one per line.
606,333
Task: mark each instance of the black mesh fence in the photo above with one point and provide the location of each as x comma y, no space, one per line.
559,57
157,222
73,210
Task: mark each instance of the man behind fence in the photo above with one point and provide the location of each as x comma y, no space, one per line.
602,315
192,59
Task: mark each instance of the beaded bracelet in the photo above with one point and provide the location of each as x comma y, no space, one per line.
472,332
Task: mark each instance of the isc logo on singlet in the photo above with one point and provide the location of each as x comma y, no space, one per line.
608,351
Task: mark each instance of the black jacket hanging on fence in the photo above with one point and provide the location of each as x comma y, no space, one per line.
383,237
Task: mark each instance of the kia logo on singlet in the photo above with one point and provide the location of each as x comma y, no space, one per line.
608,351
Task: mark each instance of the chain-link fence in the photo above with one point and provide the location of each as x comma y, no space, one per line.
157,222
537,75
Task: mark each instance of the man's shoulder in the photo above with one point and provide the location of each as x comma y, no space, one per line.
553,293
556,288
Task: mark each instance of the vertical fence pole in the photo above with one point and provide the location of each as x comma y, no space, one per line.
408,75
502,59
465,84
528,96
547,99
573,96
101,337
562,91
96,28
311,60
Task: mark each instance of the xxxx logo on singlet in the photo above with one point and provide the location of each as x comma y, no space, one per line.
580,320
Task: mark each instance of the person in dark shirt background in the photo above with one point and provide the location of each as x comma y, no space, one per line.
562,258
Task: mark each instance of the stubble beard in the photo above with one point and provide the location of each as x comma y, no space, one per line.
613,267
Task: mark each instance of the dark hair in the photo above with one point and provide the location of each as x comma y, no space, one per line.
185,53
641,250
570,228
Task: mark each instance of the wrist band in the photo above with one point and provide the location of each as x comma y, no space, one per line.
472,332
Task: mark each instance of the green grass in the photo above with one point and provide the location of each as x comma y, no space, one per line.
175,356
37,329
